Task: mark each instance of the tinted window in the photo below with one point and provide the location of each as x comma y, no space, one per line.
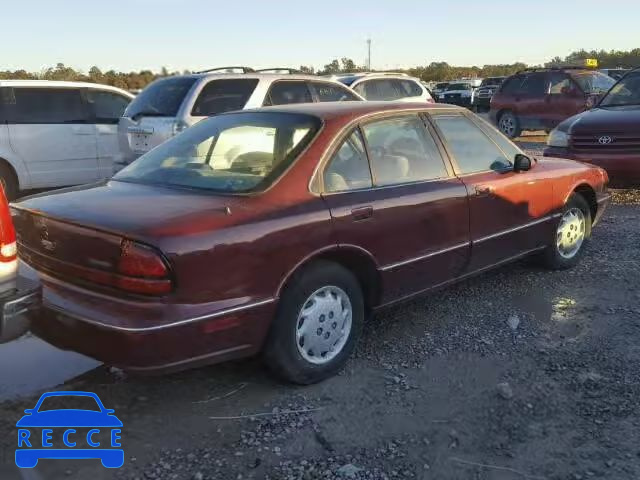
383,89
108,107
237,152
512,84
459,86
284,93
535,84
410,88
219,96
329,92
561,84
162,98
626,92
401,150
472,149
44,105
349,167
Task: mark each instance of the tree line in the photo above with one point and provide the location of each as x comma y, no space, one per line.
434,72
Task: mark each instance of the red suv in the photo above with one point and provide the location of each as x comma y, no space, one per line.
539,99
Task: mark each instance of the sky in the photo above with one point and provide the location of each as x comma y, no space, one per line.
195,34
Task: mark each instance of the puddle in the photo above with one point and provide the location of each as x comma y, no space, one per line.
29,365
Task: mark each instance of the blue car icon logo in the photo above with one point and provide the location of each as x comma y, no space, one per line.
66,433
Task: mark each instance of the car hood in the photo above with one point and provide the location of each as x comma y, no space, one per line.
603,120
69,418
136,210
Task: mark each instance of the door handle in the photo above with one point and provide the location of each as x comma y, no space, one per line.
482,190
362,213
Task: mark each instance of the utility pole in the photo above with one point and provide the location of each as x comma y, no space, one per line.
369,55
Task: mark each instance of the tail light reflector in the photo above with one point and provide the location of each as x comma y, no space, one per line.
8,249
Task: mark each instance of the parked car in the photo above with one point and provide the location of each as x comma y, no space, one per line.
482,95
174,263
615,73
55,134
17,295
461,94
607,136
539,99
439,89
169,105
388,87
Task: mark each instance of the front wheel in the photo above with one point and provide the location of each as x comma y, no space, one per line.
571,235
317,325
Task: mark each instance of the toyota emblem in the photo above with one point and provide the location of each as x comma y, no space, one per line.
605,140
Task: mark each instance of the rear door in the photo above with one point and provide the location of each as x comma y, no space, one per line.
532,101
107,108
510,211
51,130
397,199
331,92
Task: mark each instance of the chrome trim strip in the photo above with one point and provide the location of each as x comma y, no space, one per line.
515,229
163,326
424,257
604,198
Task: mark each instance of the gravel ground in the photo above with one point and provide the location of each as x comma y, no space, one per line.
520,373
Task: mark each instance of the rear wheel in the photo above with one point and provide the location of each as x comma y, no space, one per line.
8,181
318,323
571,235
509,124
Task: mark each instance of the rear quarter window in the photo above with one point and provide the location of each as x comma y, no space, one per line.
220,96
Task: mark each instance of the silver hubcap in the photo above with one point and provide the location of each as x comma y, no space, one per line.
508,125
571,232
324,325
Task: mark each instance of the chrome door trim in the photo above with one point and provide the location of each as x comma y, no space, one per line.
423,257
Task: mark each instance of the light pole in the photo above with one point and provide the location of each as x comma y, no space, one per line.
369,54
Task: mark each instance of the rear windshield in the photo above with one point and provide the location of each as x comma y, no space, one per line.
160,99
593,82
626,92
231,153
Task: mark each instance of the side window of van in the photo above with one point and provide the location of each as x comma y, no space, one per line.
44,105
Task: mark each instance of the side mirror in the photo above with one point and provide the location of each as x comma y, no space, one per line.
521,163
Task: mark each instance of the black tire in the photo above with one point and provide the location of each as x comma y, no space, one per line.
8,181
552,258
281,350
509,124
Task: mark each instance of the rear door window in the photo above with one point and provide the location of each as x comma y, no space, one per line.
329,92
289,92
45,106
162,98
107,107
536,84
219,96
349,167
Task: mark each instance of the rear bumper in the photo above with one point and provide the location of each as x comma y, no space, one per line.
16,307
149,336
623,169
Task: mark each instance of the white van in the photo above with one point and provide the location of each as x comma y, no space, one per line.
56,134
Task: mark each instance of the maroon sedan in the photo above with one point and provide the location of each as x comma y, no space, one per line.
607,136
279,230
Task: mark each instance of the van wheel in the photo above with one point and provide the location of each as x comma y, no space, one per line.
8,181
509,124
571,235
317,324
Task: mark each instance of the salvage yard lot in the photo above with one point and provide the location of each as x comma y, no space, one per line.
518,373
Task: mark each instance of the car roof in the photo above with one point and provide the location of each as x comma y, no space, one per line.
351,110
62,84
259,75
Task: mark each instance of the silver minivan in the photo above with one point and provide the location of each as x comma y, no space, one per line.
171,104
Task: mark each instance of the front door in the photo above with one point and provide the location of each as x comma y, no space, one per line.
400,203
50,129
510,211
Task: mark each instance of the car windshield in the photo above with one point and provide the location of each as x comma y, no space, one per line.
593,82
625,92
161,99
491,82
69,402
459,86
440,86
231,153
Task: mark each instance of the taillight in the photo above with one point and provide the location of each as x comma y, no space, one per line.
8,248
141,269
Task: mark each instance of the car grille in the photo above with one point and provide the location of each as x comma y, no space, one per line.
623,142
452,96
484,93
